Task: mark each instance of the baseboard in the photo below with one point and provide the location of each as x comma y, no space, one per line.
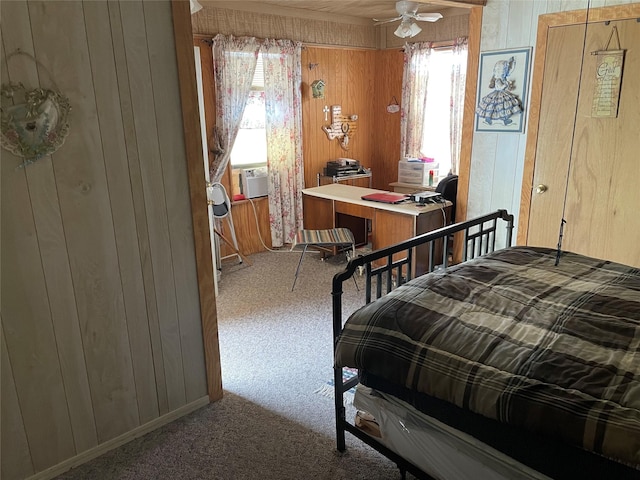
87,455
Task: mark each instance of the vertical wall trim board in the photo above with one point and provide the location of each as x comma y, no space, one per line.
193,148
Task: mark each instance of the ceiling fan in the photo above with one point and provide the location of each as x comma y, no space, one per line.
408,14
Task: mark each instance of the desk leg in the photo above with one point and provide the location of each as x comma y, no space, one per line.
391,228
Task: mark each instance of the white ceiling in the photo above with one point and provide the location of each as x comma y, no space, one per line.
354,11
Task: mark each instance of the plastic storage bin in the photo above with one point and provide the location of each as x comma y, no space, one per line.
417,173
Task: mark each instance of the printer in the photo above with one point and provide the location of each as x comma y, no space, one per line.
342,167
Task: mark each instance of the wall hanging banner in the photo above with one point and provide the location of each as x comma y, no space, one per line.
606,94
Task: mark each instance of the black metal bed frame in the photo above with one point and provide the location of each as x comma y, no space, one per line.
479,238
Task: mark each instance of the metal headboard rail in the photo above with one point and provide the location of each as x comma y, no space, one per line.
479,239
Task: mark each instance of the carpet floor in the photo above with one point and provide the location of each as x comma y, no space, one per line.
276,350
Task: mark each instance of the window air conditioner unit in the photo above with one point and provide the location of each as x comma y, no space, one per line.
254,182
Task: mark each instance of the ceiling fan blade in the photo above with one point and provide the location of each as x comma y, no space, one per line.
386,20
428,17
404,7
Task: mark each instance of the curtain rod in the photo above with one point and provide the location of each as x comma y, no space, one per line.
443,44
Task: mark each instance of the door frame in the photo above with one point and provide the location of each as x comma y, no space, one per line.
545,22
199,209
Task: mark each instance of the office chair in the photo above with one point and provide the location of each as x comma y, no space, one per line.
448,188
217,197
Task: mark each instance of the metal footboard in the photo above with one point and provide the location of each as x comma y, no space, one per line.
390,267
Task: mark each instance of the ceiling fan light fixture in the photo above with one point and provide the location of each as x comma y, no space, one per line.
407,29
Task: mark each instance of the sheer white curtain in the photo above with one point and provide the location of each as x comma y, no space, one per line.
458,81
414,96
282,80
234,63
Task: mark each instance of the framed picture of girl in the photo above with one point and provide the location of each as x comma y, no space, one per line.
502,90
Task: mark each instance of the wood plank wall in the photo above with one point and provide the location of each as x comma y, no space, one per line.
101,333
387,125
349,77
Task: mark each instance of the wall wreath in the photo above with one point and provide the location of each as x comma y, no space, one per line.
33,123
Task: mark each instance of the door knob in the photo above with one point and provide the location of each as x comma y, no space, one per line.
541,188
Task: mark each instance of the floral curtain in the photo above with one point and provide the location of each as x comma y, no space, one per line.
414,96
458,81
234,63
282,80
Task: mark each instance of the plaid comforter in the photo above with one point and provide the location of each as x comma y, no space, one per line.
511,336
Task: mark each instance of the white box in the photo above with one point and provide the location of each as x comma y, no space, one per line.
255,182
417,173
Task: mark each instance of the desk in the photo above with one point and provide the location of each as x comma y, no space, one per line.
336,205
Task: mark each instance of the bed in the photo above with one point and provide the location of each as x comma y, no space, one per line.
517,362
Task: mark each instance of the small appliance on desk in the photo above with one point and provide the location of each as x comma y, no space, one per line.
342,167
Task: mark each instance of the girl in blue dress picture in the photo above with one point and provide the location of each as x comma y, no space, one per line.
500,104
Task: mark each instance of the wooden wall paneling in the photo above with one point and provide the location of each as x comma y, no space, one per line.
348,74
54,255
55,262
15,462
520,20
86,214
310,108
386,152
244,219
136,44
30,344
110,119
504,167
314,141
363,94
480,197
164,75
337,79
199,209
332,93
140,210
28,326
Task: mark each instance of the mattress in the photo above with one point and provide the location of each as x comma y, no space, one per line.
436,448
552,349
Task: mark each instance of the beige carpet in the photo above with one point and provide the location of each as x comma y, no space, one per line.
276,350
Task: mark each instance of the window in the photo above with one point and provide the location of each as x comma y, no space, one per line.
250,148
436,136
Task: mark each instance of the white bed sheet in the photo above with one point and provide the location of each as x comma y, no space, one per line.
439,450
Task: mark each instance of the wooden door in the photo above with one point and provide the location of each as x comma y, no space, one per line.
589,174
